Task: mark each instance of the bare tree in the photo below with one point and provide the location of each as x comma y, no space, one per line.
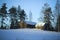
30,16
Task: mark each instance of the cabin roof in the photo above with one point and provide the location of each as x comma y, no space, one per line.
30,22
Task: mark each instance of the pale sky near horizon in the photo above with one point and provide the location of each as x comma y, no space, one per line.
34,6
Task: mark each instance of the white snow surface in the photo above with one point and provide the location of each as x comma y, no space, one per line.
28,34
29,22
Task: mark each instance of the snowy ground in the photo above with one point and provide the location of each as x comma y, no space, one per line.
28,34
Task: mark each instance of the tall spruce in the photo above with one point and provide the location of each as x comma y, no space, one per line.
13,13
47,16
3,11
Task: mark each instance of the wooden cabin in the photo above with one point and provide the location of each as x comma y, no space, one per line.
27,24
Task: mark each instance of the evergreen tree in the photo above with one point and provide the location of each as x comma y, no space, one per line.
13,16
18,12
12,10
22,19
22,15
47,16
3,11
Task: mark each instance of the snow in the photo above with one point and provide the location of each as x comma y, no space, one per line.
29,22
28,34
41,24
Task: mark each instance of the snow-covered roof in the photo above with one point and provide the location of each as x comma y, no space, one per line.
40,24
30,22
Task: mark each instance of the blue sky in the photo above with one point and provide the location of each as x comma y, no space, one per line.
34,6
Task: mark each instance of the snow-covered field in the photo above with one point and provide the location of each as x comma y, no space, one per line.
28,34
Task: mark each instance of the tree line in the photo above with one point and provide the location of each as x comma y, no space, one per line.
14,15
20,14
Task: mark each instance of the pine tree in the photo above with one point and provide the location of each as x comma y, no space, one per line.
18,12
47,16
13,16
22,15
3,11
22,19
